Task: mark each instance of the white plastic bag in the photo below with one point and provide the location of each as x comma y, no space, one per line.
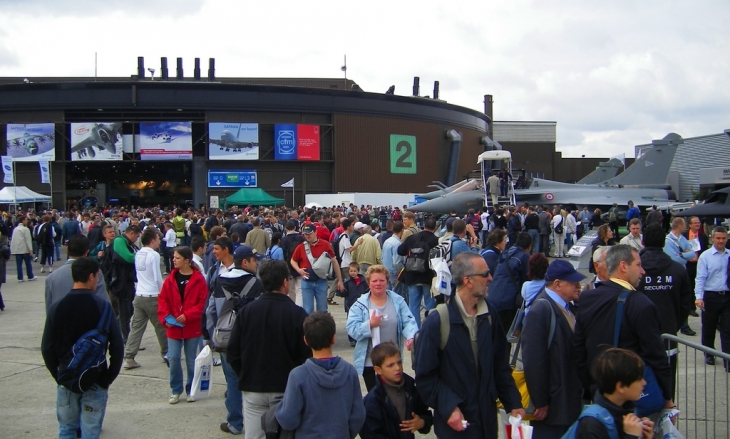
666,429
202,380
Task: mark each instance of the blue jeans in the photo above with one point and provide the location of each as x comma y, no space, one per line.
19,259
234,397
535,235
568,241
80,410
312,289
415,293
174,349
57,244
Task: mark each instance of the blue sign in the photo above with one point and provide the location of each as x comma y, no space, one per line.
285,142
232,178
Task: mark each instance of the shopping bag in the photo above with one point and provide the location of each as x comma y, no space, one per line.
202,378
514,427
665,429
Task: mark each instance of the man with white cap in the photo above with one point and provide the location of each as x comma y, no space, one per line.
357,232
548,358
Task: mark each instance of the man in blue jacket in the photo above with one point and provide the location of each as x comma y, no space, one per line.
463,379
509,276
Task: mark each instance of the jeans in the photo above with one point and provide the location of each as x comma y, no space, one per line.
175,347
568,241
234,397
255,405
28,259
535,235
312,289
415,293
80,410
46,255
145,309
57,245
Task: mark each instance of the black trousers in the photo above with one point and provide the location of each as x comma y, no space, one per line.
716,315
368,375
545,244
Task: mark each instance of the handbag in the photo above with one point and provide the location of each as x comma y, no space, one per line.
322,266
652,397
515,329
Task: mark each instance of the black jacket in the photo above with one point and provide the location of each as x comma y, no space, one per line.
590,428
353,291
267,342
667,284
550,372
70,318
241,228
532,222
383,421
491,257
640,331
414,278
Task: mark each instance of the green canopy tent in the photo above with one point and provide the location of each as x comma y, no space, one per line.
254,196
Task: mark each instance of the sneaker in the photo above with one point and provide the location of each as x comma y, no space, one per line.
216,362
33,278
190,399
21,280
43,269
167,361
226,427
165,273
35,259
129,363
174,398
50,270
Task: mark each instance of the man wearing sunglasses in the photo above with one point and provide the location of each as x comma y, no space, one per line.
458,381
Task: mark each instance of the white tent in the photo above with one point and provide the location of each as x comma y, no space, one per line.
21,194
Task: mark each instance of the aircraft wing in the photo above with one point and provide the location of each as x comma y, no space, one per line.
86,143
217,142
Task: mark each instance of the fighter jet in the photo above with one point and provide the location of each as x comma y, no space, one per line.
644,183
717,206
101,136
229,141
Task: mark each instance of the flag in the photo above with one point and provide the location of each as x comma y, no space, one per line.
289,183
45,174
8,170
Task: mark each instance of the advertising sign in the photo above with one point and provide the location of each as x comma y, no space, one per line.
45,172
214,204
232,178
307,142
96,141
31,142
166,141
233,141
285,142
8,175
402,154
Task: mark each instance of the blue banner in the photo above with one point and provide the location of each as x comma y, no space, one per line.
232,178
285,142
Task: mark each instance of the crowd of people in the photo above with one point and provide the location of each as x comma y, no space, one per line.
255,285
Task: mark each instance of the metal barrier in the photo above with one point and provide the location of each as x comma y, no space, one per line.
701,391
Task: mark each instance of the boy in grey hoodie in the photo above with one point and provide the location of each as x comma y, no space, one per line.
323,396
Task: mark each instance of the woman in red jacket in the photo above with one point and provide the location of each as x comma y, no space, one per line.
182,302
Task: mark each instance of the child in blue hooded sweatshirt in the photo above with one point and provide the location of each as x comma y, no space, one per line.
323,396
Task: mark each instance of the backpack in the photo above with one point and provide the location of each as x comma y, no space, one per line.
292,244
195,229
594,411
559,227
84,362
440,258
417,258
612,215
233,304
336,247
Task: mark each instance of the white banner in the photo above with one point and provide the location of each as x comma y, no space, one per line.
8,170
45,172
214,202
289,183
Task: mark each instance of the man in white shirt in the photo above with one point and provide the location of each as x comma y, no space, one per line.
634,238
149,284
170,239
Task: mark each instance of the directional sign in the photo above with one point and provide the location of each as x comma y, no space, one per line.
232,178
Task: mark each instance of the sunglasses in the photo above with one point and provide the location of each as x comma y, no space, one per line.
484,275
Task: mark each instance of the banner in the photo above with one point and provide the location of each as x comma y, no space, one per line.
307,142
96,141
8,177
31,142
232,178
130,143
289,183
166,141
45,172
285,142
233,141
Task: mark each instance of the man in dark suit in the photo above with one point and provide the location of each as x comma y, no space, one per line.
544,224
548,357
694,232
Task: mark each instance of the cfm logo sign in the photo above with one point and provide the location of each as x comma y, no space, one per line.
286,142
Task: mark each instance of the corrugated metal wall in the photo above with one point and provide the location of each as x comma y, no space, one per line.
696,153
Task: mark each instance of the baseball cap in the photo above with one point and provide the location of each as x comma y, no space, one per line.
245,252
563,270
359,225
308,228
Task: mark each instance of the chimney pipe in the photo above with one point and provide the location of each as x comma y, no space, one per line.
211,69
196,72
140,67
435,89
179,69
489,111
164,74
416,81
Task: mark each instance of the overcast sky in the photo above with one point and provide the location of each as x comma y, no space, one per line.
612,74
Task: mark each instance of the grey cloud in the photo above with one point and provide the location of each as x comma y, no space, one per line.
91,8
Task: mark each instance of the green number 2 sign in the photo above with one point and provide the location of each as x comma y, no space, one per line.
402,154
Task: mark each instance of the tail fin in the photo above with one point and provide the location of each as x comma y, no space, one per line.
652,167
603,172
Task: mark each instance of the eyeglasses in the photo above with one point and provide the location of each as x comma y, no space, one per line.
484,275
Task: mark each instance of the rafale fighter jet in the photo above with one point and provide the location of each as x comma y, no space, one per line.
102,137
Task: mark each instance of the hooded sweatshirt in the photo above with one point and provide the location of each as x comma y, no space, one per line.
322,399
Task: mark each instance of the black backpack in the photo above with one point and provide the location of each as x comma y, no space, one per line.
417,257
291,245
85,361
336,247
195,229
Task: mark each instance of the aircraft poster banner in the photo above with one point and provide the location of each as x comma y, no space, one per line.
296,142
166,141
31,142
233,141
96,141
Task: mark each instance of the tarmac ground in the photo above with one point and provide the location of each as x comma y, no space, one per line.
138,404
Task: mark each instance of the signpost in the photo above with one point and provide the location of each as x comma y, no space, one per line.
232,178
